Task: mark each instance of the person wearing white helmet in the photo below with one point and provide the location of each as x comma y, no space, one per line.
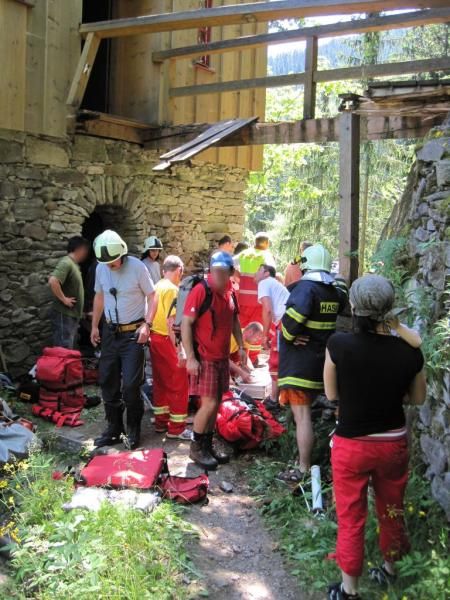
150,257
124,293
310,318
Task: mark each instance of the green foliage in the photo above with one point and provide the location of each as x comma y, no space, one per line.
114,553
392,260
306,540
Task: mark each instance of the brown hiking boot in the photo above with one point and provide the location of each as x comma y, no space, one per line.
221,457
200,455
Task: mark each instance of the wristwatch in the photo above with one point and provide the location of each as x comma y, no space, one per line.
149,325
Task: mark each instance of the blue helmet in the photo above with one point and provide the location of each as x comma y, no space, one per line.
223,260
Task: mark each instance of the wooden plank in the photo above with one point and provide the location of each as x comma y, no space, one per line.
349,155
198,148
244,84
305,131
384,69
309,88
344,74
83,70
13,23
244,13
355,26
212,135
202,137
29,3
254,135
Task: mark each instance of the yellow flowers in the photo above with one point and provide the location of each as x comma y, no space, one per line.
3,484
11,530
410,509
11,500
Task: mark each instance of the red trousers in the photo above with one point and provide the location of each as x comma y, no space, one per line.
354,463
170,385
247,314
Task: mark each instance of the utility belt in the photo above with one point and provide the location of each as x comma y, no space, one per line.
124,327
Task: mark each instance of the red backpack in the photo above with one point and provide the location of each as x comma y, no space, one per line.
59,372
246,425
185,490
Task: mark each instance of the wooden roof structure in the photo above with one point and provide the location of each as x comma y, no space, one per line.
388,110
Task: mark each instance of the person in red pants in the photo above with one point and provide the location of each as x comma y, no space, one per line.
370,373
247,264
170,380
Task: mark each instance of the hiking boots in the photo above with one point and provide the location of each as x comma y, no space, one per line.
134,435
221,457
111,436
114,432
199,454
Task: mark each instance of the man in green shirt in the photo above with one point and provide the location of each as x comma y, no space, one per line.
66,285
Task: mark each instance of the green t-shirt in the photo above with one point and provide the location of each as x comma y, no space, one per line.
69,275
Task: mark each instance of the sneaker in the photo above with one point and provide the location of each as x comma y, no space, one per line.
336,592
185,436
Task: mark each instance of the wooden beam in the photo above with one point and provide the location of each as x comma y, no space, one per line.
245,13
294,132
403,20
83,70
349,153
309,87
346,73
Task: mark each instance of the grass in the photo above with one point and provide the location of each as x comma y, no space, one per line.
307,540
114,554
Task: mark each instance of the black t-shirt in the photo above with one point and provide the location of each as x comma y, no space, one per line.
374,373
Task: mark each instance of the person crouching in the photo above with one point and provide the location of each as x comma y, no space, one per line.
206,339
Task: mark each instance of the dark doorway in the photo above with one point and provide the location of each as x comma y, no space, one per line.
97,91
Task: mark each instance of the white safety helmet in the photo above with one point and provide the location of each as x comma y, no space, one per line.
109,246
152,243
316,258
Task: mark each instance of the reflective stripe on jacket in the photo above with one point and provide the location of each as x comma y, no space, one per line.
311,310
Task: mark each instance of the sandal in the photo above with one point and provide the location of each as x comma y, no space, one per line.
336,592
292,476
381,576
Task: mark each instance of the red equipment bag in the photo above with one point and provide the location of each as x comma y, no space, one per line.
59,368
246,425
134,469
185,490
61,397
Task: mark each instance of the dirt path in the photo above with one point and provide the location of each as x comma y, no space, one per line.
235,556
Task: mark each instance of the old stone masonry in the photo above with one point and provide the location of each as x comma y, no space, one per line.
50,188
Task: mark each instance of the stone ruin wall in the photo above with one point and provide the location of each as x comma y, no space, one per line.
423,217
48,187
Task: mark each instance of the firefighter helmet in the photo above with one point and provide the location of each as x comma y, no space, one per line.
109,246
316,258
152,243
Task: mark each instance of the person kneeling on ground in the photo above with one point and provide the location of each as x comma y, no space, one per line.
371,374
206,339
170,380
251,335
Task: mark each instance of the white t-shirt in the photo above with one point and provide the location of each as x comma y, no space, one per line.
133,284
278,294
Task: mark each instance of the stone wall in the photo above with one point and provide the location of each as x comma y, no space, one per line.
48,187
423,217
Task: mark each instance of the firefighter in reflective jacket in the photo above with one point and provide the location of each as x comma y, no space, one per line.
247,263
310,318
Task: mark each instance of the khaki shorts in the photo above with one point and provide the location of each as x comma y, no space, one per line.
296,397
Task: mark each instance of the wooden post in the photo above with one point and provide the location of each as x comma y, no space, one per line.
309,88
83,72
349,150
